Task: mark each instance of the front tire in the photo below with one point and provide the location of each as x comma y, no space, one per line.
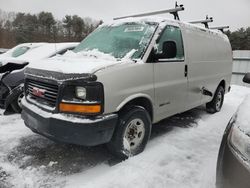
132,132
16,103
217,102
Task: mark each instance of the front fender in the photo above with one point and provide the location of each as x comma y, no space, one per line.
132,97
13,95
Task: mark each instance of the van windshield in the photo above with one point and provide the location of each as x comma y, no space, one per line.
120,40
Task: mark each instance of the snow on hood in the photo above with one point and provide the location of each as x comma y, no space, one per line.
242,116
77,63
4,61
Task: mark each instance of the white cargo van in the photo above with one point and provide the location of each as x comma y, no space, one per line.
124,77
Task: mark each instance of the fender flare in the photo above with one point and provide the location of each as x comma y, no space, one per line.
132,97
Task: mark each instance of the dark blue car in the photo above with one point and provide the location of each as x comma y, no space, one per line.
233,165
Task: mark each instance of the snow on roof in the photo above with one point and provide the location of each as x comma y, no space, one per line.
162,21
36,51
29,45
46,50
3,50
241,53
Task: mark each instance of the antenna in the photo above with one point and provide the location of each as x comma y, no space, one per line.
205,22
173,11
221,28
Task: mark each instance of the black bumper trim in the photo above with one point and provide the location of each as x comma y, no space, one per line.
87,133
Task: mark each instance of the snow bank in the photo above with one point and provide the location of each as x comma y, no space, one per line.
182,153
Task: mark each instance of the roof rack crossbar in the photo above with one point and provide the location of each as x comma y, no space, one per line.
221,28
205,22
173,11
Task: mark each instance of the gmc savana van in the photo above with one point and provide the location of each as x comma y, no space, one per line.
124,77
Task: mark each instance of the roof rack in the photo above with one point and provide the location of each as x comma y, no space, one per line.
221,28
205,22
173,11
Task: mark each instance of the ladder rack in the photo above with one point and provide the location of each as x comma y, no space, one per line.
173,11
205,22
221,28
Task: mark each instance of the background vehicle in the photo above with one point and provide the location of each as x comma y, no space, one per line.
3,50
12,69
19,50
124,77
233,165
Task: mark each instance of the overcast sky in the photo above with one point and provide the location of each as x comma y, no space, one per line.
235,13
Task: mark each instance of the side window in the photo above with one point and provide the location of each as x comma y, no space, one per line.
171,33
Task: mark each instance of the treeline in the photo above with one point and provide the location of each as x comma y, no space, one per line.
240,39
16,28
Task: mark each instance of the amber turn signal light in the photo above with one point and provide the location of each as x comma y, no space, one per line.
80,108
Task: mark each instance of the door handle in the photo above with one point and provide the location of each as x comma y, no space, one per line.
186,71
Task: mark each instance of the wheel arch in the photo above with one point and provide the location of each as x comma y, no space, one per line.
223,84
142,100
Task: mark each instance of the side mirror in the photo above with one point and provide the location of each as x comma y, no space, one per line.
169,50
246,78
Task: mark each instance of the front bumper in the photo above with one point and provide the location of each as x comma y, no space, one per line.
69,128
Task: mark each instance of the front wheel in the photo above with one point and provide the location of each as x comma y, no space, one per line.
132,133
217,102
16,103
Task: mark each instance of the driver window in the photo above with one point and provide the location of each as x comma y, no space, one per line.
171,33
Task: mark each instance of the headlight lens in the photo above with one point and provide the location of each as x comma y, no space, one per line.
81,92
86,99
240,141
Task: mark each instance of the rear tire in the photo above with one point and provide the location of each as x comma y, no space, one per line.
217,102
132,133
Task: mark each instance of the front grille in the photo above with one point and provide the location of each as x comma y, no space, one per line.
48,95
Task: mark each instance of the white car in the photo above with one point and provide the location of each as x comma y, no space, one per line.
12,65
27,52
3,50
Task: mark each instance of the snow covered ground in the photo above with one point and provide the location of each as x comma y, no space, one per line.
182,153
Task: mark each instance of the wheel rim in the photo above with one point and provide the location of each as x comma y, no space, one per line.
219,101
134,135
19,100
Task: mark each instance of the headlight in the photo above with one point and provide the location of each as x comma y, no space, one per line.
240,141
83,98
81,92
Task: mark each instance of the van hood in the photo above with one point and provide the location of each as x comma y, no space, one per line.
71,65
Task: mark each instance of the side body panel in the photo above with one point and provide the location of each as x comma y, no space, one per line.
170,88
209,58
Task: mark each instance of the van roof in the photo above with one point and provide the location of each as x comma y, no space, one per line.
162,21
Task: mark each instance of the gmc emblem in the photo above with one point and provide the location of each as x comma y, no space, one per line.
38,92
